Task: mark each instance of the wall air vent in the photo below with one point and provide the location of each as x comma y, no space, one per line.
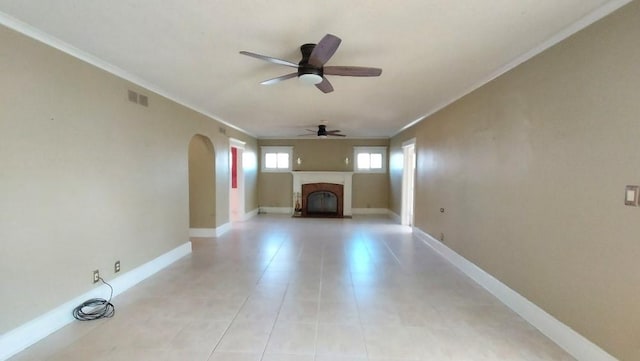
133,96
143,100
138,98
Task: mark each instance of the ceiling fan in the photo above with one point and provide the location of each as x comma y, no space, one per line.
311,69
322,132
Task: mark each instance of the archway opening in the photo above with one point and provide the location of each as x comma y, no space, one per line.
202,190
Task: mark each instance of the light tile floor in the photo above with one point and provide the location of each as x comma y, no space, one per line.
281,289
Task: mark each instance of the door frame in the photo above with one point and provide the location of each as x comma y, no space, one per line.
236,196
408,182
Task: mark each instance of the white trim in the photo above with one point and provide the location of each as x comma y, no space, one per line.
35,330
571,341
276,210
382,150
202,232
344,178
582,23
408,182
368,211
288,149
236,196
237,143
251,214
210,232
56,43
409,142
220,230
393,215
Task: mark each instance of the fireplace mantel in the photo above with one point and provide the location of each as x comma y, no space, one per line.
344,178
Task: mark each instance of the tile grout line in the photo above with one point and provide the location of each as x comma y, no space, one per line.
355,296
266,345
228,327
270,261
245,302
315,346
394,256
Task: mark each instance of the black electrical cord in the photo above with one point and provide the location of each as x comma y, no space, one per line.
95,308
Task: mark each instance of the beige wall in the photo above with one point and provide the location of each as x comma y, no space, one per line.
250,164
202,193
531,171
396,169
88,177
369,190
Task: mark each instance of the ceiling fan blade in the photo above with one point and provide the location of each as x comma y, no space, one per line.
324,50
336,135
334,131
352,71
325,86
269,59
279,79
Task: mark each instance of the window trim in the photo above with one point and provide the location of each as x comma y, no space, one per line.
382,150
275,149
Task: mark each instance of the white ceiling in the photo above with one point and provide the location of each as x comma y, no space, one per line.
431,52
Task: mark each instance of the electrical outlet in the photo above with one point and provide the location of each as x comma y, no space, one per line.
96,276
116,267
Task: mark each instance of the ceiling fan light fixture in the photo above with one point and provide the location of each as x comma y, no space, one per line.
310,79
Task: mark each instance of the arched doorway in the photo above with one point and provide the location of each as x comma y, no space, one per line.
202,189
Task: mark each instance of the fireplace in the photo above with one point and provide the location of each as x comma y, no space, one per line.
337,183
322,200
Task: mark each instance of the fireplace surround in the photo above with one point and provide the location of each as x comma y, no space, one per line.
334,179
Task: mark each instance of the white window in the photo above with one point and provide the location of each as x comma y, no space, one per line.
276,159
370,159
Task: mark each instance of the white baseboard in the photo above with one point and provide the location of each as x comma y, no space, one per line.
395,216
210,232
571,341
203,232
367,211
250,214
276,210
220,230
35,330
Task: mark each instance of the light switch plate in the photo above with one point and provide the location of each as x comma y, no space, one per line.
631,196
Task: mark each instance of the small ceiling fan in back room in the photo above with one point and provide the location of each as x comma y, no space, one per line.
311,69
322,132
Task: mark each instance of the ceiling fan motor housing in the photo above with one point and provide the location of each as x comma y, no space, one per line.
322,130
303,66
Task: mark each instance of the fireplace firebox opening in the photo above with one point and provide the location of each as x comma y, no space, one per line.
322,200
322,203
